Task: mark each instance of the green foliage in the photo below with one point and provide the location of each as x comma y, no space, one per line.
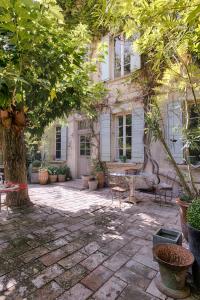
43,65
193,214
65,170
186,198
36,163
99,166
52,170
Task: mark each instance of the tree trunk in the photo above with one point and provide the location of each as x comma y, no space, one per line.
14,154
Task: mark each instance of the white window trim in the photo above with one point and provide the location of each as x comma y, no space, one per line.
121,58
124,114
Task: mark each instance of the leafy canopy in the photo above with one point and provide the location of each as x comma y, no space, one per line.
43,65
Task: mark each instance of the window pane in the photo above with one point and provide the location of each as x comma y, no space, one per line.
88,152
120,152
120,121
128,130
87,146
128,119
128,153
82,146
117,56
82,152
120,142
127,57
128,142
58,142
120,131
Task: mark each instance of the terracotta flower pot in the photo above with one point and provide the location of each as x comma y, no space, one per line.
174,262
61,178
53,178
101,179
43,176
183,207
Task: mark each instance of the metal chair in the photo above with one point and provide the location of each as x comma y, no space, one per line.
119,187
165,189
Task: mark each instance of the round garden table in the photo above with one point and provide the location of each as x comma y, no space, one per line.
10,187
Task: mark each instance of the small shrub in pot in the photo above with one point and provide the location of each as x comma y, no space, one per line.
193,217
63,173
53,174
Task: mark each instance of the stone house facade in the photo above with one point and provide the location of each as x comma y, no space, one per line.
118,138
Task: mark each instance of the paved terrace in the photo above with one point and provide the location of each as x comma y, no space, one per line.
77,245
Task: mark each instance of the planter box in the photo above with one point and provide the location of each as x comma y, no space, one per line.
35,177
166,236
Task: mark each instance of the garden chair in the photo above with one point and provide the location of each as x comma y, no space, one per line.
119,187
164,190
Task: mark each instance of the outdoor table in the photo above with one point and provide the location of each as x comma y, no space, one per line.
142,179
10,187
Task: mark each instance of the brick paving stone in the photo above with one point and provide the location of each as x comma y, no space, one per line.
112,247
48,292
111,289
131,277
52,257
116,261
141,269
94,260
97,278
131,249
33,254
6,282
47,275
77,292
146,259
71,276
90,248
56,244
72,260
133,293
60,233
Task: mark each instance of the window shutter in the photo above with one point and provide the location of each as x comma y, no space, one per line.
137,135
64,131
105,66
135,60
174,130
105,137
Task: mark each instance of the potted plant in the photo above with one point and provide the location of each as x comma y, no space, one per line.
85,180
193,217
62,173
99,170
174,261
53,174
43,175
92,184
183,202
34,171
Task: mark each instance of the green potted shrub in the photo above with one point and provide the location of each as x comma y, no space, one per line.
53,174
62,173
99,170
34,171
183,202
92,184
193,217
